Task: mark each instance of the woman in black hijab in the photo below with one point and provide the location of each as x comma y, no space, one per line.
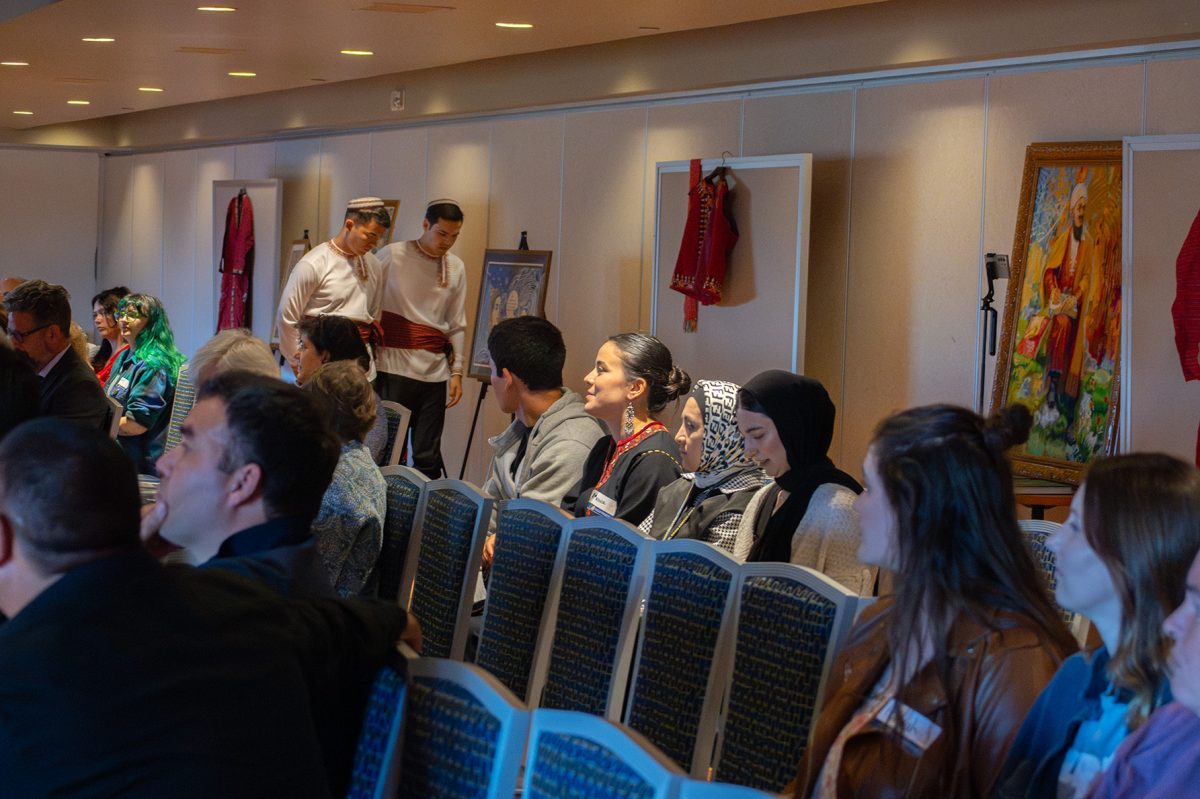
805,516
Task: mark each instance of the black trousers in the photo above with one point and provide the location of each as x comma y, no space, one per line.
427,401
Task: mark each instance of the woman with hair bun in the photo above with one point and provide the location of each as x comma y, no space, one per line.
634,379
806,516
934,681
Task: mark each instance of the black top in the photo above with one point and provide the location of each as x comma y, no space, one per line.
635,478
281,552
70,391
127,678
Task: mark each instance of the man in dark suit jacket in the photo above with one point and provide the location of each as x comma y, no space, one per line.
39,324
119,676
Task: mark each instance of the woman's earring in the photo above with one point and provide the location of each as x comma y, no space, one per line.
627,424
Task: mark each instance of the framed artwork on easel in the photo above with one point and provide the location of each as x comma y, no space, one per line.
514,284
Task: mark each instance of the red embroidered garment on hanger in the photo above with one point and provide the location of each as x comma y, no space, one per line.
709,234
1186,309
237,264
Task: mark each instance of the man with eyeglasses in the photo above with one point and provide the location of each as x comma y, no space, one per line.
424,330
341,277
39,324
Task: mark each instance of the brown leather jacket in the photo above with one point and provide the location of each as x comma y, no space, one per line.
995,676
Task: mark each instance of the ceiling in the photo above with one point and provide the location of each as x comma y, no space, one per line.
187,53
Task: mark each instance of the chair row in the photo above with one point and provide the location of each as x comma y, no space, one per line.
720,664
437,727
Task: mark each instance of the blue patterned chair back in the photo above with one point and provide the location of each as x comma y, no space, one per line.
440,581
181,406
397,429
598,600
404,487
1035,532
789,623
530,545
579,755
699,789
464,734
375,764
675,692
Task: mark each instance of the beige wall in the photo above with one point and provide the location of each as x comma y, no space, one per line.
912,181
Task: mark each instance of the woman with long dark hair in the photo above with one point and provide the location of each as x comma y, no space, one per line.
930,689
1122,561
104,315
632,382
143,379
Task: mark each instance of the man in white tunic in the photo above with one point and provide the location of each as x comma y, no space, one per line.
341,277
424,330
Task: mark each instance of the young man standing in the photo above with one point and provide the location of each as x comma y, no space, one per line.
424,330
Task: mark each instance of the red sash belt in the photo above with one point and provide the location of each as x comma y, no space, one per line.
404,334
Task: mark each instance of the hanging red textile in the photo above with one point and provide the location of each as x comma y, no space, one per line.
709,234
237,264
1185,311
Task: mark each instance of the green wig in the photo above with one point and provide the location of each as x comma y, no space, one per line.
155,345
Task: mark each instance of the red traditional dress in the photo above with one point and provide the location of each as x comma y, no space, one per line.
1185,311
708,236
237,264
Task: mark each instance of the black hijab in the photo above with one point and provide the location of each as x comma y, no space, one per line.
803,414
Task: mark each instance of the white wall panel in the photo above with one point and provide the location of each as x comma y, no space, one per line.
298,165
254,161
146,253
345,174
116,224
600,266
398,166
179,247
459,168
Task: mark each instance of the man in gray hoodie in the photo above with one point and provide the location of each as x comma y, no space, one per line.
541,454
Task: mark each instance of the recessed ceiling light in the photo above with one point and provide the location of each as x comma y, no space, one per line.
242,74
149,89
98,39
24,113
14,63
358,52
79,102
514,24
215,8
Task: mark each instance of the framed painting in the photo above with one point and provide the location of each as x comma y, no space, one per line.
1062,317
393,208
514,284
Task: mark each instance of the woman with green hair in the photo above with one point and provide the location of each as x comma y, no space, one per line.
143,379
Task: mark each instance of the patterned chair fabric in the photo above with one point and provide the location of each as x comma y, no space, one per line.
397,429
449,544
181,406
529,538
698,789
1036,531
578,755
597,604
374,771
404,486
674,698
464,734
789,626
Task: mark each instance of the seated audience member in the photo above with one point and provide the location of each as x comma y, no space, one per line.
708,501
349,525
104,315
933,682
19,390
1161,760
805,517
39,324
1121,560
633,380
327,339
122,677
236,349
242,489
143,379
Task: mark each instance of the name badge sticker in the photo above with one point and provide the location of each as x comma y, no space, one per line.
919,731
602,504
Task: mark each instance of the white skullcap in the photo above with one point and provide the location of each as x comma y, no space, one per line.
364,204
443,201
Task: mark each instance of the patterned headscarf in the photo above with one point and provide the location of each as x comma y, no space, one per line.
724,449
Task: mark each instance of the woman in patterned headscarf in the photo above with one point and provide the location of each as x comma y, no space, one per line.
707,501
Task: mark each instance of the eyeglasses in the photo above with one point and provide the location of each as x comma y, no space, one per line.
19,336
